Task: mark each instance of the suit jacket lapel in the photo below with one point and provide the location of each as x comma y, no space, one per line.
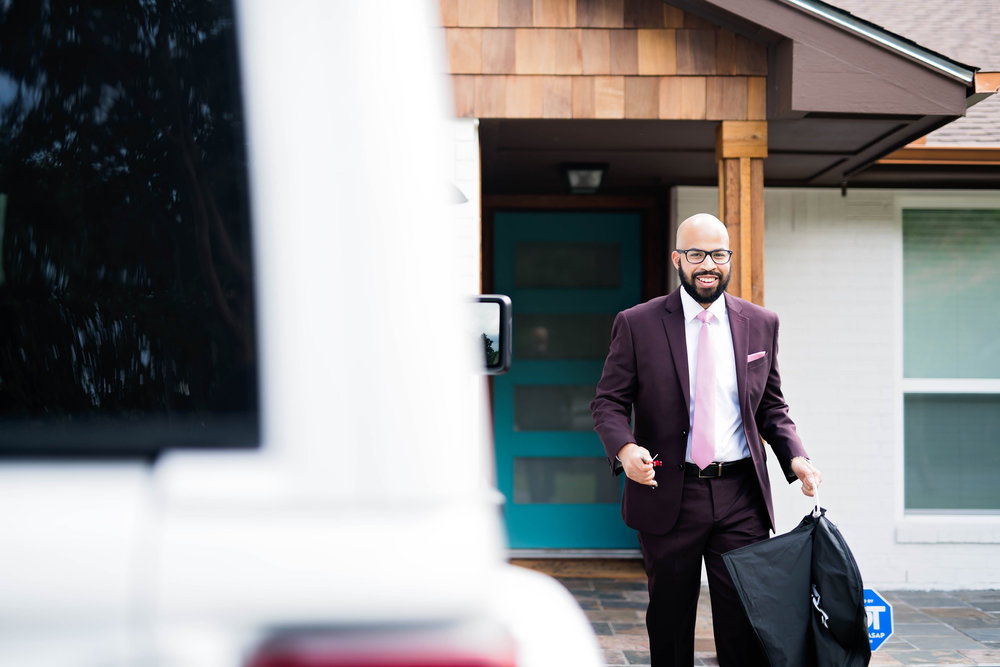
673,326
739,326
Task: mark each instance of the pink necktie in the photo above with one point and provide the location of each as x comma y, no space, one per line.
703,428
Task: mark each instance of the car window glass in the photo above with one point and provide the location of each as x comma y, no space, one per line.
126,284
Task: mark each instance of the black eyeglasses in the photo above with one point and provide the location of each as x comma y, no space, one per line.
697,255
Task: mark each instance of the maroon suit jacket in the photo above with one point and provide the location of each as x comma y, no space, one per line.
646,375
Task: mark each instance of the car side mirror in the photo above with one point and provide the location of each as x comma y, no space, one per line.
493,322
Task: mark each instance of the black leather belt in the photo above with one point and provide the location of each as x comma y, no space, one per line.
716,470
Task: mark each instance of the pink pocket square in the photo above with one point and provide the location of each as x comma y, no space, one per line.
755,356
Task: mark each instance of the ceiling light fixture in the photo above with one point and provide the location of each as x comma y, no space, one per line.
584,178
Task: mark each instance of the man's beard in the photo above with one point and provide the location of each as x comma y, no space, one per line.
704,297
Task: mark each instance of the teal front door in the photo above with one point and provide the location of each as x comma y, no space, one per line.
568,274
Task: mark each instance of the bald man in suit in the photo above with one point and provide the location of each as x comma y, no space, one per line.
685,513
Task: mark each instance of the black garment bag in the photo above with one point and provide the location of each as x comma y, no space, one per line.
803,594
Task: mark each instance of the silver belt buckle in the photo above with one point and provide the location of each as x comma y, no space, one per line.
718,472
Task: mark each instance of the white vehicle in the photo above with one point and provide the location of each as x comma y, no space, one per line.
240,416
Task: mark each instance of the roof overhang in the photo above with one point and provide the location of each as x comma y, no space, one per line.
842,94
829,70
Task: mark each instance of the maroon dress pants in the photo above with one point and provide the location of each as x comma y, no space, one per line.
717,515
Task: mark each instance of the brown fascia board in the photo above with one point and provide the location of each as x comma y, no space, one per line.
944,155
803,81
861,81
985,84
886,39
819,67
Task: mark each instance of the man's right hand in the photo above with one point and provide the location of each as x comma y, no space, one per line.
638,464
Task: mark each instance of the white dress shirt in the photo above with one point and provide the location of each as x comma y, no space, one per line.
731,441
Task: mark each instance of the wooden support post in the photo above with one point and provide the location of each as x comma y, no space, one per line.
740,149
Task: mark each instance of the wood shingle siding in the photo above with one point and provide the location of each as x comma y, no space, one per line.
598,59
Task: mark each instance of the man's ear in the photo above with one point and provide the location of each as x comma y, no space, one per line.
675,258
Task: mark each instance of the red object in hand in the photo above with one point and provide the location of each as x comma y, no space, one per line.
656,463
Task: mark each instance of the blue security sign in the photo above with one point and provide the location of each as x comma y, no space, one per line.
879,614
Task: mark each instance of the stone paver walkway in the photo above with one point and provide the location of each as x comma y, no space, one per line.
930,628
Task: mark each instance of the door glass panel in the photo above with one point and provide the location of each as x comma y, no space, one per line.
563,480
553,408
951,451
545,265
557,336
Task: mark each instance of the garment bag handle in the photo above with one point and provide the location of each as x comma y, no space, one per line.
816,509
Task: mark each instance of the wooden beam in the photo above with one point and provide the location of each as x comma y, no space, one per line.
729,213
734,139
757,234
740,149
746,229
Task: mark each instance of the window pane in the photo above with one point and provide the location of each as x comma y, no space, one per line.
126,284
567,265
564,480
951,291
553,408
952,451
555,336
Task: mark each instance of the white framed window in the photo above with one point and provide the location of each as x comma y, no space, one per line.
951,356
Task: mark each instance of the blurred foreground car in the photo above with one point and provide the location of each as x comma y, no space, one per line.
240,416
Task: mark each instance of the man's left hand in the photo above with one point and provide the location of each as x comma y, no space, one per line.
807,473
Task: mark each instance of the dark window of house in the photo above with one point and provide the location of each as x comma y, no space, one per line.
126,285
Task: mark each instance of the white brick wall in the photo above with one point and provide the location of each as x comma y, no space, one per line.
833,273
